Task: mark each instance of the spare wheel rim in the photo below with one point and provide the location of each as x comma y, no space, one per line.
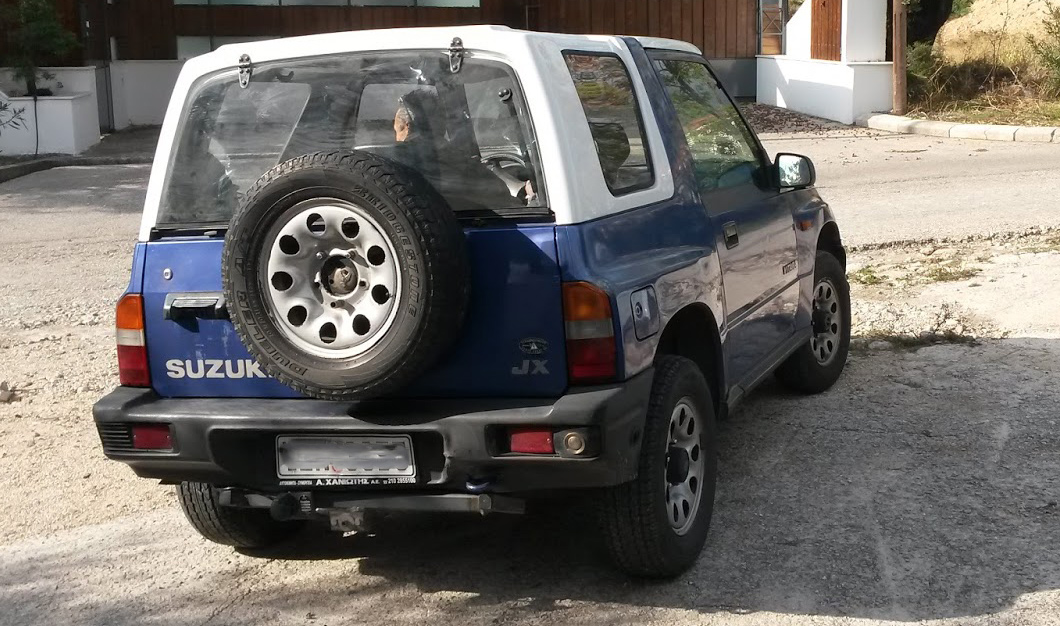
331,278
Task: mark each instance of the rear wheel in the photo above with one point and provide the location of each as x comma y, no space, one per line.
239,528
656,525
816,366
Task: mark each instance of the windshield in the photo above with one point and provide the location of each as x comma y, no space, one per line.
467,133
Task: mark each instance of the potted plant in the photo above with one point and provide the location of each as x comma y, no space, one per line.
34,35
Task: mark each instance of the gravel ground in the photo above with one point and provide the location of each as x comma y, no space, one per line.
66,240
924,487
770,121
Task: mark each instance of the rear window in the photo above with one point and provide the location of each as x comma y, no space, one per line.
606,93
467,133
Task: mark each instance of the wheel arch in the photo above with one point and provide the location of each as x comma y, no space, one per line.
830,241
693,333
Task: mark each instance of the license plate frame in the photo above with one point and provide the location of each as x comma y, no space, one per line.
331,460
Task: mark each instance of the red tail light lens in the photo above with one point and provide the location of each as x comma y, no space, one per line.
133,370
591,352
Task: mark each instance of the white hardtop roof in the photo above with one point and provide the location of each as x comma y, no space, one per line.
668,44
564,139
486,37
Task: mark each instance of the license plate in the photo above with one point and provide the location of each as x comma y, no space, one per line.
334,461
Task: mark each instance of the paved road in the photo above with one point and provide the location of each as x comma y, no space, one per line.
907,187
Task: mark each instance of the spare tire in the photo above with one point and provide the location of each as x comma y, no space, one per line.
345,274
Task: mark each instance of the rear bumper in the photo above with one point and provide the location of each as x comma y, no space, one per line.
231,442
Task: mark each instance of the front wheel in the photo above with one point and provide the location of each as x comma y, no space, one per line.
656,525
817,365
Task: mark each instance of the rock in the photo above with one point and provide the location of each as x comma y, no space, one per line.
880,345
969,37
7,396
927,251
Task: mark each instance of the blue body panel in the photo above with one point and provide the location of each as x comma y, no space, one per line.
515,295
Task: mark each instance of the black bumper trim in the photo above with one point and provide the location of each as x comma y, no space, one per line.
199,425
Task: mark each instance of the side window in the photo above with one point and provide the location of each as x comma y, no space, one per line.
606,92
722,146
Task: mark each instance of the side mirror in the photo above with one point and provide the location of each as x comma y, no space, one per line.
795,171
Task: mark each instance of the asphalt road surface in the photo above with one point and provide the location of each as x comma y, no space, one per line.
888,188
924,487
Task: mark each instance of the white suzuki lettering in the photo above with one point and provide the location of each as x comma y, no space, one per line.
254,370
195,369
239,371
215,368
175,368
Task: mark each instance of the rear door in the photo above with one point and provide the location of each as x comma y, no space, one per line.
756,230
512,343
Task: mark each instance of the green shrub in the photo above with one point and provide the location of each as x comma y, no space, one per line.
1047,48
961,7
35,35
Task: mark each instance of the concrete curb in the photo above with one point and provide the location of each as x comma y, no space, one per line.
988,132
24,168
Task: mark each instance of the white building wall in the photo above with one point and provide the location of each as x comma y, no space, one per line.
873,88
837,90
141,91
69,124
864,30
820,88
797,32
69,119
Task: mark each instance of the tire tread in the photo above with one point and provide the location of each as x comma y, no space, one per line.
633,531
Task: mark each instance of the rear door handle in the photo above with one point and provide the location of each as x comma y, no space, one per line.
732,235
208,305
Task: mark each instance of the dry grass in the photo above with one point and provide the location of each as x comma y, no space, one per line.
866,276
949,272
993,108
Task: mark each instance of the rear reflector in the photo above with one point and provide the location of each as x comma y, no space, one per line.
531,441
132,350
591,352
152,437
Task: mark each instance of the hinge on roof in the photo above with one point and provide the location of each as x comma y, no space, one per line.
246,68
456,55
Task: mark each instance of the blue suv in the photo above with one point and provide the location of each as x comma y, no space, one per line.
457,269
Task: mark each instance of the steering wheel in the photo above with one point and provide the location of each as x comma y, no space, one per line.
511,168
501,158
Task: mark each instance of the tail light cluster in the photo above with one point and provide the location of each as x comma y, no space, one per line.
132,349
591,353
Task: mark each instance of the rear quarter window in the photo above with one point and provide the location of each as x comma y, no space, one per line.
614,117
